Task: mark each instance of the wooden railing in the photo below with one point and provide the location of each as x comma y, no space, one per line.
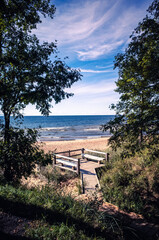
69,153
68,163
94,156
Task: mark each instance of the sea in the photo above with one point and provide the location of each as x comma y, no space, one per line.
58,128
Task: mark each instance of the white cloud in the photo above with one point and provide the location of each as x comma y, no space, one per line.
89,98
76,22
98,51
91,28
94,89
94,71
107,99
111,66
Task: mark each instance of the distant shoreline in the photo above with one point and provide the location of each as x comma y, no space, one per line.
73,139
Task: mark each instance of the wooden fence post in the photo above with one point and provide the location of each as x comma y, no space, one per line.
54,160
78,167
82,152
82,183
69,153
107,157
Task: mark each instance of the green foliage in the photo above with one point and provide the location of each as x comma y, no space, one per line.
132,183
45,231
20,156
25,13
137,113
28,75
57,217
56,175
155,185
79,187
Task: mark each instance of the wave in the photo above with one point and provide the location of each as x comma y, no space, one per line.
52,128
91,129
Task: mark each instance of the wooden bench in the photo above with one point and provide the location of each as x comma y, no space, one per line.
66,162
94,157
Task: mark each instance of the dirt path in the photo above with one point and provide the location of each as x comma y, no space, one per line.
12,227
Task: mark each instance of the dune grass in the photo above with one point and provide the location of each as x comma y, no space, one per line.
133,183
54,216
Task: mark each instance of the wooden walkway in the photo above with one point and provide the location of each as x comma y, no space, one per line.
87,166
89,174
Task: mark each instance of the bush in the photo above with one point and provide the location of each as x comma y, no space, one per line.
61,231
132,183
56,175
19,156
155,184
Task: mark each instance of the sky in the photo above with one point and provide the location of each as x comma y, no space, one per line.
91,33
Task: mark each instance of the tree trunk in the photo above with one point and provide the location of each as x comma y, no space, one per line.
142,111
141,136
7,168
7,127
8,173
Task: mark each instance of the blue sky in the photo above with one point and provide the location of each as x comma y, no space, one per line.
91,33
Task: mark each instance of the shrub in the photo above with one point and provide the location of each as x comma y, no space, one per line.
47,232
19,156
56,175
132,183
155,184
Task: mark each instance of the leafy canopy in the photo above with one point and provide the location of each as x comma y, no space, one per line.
30,72
137,113
26,14
28,75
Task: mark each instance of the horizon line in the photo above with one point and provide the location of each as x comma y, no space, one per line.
1,115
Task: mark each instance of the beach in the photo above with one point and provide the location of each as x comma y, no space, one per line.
60,146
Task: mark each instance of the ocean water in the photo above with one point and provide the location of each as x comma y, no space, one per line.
56,128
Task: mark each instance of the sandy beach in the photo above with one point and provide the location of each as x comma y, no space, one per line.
59,146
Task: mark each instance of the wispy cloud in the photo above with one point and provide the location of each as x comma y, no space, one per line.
106,66
92,31
97,51
77,22
95,71
91,28
94,89
89,98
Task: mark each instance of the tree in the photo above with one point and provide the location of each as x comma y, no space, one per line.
26,14
20,157
137,120
27,73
